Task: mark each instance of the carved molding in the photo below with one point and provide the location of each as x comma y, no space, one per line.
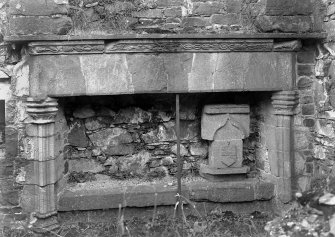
161,46
171,46
66,47
285,102
42,111
288,46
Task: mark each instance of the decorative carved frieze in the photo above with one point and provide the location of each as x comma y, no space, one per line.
199,45
66,47
160,46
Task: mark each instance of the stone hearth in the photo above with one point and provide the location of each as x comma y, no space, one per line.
67,138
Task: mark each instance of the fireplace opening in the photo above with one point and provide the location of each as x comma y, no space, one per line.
132,138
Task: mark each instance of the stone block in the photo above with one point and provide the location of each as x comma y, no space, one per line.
6,168
132,115
30,25
306,56
304,83
173,12
306,99
207,8
234,6
85,165
10,198
135,164
305,70
169,3
150,13
199,149
308,109
84,112
36,8
287,24
226,19
77,135
113,141
195,22
264,191
11,142
288,7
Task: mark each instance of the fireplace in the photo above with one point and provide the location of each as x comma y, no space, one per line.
104,110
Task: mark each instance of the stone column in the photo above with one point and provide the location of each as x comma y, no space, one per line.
41,153
284,103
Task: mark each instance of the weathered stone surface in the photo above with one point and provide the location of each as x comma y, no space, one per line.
226,19
113,141
11,142
206,72
304,83
150,137
183,150
36,8
83,112
199,149
207,8
285,23
77,136
288,7
144,195
195,22
135,164
132,115
85,165
94,124
30,25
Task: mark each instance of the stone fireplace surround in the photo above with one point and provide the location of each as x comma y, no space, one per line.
145,65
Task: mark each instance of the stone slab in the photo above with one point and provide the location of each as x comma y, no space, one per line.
144,195
36,8
111,74
25,25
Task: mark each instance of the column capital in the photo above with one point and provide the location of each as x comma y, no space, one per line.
42,111
285,102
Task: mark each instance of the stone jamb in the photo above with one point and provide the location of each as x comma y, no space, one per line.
42,114
284,103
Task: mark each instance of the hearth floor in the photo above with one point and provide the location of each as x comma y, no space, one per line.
109,194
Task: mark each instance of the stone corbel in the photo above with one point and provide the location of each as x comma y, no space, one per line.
284,104
41,153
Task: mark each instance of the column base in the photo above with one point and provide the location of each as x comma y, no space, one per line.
45,225
220,175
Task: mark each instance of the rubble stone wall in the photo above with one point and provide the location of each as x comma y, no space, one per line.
87,17
134,137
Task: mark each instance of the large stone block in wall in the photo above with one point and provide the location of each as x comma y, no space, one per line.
287,24
288,7
37,7
42,25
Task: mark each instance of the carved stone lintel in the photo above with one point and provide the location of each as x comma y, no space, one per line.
285,102
42,111
66,47
168,46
